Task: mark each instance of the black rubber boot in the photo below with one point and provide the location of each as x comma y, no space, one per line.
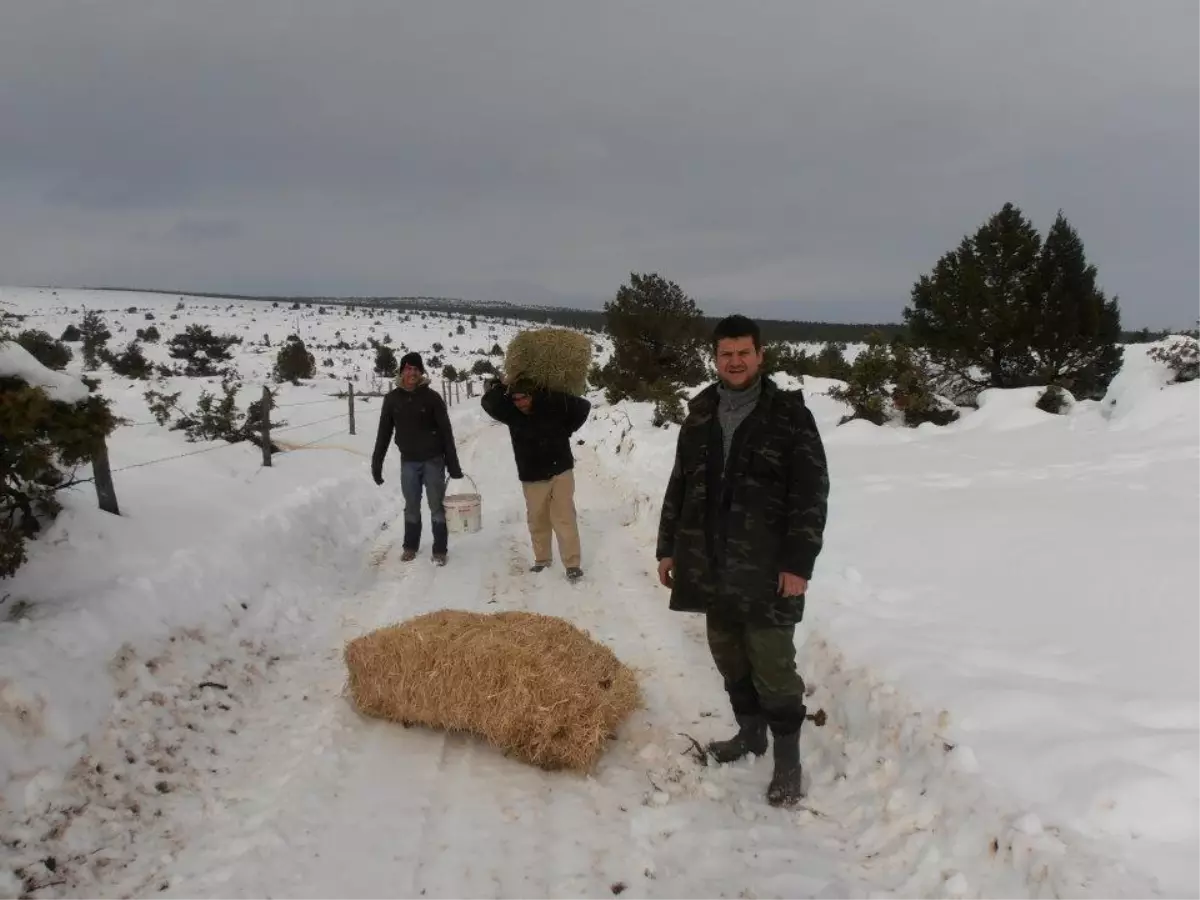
785,788
751,738
786,717
752,725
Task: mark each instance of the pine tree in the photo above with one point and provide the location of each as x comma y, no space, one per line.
385,361
971,312
201,350
831,362
913,393
1074,330
866,389
45,349
786,359
657,334
131,362
1006,309
42,438
95,334
293,361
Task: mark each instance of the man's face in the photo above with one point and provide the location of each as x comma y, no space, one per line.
523,402
410,376
738,362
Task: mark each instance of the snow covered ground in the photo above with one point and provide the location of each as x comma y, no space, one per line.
1002,631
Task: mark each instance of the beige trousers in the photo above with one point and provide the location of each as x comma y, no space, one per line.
550,508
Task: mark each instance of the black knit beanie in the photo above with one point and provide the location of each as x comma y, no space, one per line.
414,360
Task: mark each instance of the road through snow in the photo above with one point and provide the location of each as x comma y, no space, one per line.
318,801
326,803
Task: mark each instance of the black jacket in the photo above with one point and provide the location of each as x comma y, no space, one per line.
541,438
421,427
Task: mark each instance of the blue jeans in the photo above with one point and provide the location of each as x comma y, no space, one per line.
429,475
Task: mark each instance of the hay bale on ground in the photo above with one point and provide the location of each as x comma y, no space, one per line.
553,358
535,686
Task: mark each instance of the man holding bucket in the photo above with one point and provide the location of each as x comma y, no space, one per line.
416,414
540,424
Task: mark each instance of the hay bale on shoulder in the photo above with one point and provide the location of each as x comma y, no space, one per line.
554,358
534,686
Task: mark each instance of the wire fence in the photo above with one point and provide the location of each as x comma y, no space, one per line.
263,431
334,434
103,472
308,403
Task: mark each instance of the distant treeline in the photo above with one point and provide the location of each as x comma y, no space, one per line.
583,319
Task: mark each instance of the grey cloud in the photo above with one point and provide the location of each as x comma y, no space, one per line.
205,229
774,156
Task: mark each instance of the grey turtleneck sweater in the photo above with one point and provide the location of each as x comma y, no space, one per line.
732,409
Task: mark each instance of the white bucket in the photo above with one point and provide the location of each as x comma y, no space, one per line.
464,512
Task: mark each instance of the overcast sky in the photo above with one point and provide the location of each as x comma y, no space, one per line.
795,159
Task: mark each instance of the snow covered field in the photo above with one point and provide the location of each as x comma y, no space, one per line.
1002,631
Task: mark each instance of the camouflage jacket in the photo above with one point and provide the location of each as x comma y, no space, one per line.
731,533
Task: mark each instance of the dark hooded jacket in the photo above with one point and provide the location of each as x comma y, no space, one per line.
541,438
731,530
418,421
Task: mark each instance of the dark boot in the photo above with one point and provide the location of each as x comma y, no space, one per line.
751,738
412,539
786,717
440,541
441,537
752,724
785,787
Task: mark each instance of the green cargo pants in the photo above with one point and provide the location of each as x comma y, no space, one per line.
758,665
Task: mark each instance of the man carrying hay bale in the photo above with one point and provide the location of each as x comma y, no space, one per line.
416,414
742,524
540,423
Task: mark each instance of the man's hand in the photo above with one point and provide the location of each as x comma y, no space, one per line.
792,585
666,572
455,473
378,476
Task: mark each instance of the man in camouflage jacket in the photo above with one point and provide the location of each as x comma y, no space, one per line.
742,524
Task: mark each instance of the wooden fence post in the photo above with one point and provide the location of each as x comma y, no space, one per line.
350,395
266,426
102,475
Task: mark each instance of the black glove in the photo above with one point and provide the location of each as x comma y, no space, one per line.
377,475
456,473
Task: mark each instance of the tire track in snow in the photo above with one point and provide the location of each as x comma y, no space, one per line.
313,757
271,821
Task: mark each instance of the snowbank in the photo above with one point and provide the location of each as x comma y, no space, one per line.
1142,397
54,671
17,362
